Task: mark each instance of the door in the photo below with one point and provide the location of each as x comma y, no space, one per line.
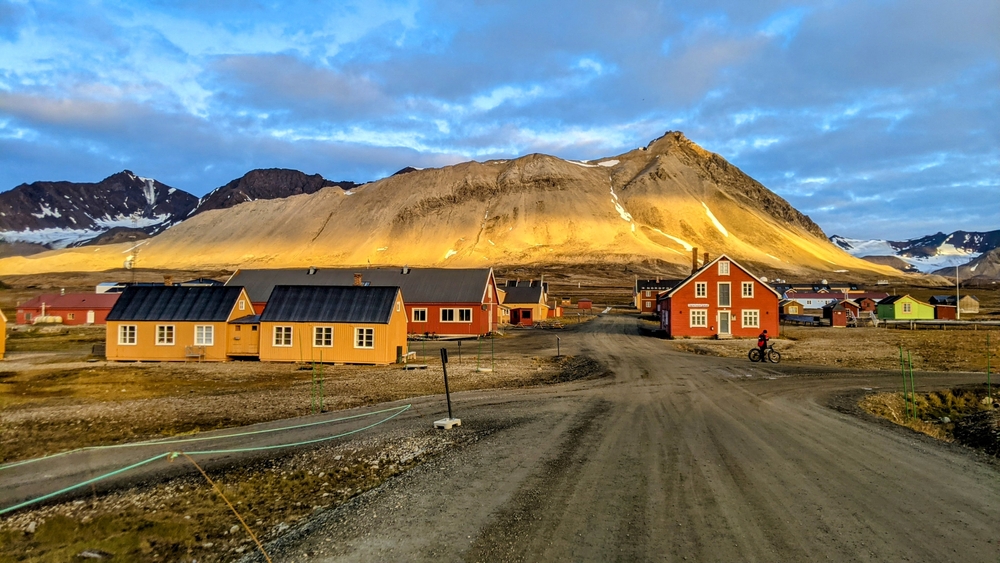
90,317
723,322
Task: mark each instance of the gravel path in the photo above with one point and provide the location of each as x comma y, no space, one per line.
676,457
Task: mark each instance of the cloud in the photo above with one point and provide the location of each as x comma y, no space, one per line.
889,103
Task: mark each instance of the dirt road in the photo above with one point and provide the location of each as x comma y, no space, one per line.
676,457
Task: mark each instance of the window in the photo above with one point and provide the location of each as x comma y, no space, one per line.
701,289
751,318
204,335
465,315
164,335
447,315
793,310
126,335
699,317
724,299
747,289
70,316
243,305
27,316
420,315
283,336
723,268
323,336
907,308
364,338
649,304
649,294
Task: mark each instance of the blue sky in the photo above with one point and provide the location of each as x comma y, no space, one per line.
877,118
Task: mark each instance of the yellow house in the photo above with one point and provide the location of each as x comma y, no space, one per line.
526,302
333,324
174,323
3,334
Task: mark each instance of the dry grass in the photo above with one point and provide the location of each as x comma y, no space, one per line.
930,410
184,519
868,348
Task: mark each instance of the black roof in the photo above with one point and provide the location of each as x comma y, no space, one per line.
175,303
330,304
247,320
419,285
522,294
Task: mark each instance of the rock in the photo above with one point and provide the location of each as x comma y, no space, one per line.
94,554
234,529
945,420
31,527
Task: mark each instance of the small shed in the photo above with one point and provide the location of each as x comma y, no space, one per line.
945,312
867,304
789,307
966,304
585,304
839,314
845,304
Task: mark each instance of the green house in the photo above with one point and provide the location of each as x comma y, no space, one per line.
904,307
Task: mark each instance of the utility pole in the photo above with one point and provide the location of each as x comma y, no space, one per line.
958,306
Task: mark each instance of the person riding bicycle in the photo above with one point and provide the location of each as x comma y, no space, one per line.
762,344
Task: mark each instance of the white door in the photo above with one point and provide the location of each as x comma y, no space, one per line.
723,322
90,317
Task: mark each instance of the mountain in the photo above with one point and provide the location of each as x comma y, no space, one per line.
60,214
927,253
652,204
125,207
893,262
271,183
987,266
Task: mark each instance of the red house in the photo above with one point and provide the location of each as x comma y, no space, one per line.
438,301
721,299
70,308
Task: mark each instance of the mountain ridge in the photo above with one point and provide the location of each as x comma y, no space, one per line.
928,253
656,203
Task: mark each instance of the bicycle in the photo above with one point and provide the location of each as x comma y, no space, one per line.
770,355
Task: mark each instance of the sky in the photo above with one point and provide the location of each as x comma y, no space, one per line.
877,118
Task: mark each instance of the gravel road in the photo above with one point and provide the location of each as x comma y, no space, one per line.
675,457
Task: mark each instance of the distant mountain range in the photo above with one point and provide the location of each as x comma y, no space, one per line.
124,207
653,205
926,254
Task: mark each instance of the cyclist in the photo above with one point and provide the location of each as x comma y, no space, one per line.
762,345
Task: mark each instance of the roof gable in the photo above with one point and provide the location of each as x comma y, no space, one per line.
330,304
523,295
419,285
704,268
175,303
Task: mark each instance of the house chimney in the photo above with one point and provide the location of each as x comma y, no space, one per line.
168,280
694,259
62,291
311,271
406,270
357,279
706,259
657,280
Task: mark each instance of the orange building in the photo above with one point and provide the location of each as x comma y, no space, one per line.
174,323
334,324
721,299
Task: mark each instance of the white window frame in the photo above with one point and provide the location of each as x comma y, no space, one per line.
364,338
649,305
724,268
243,305
320,336
166,335
282,332
698,318
701,290
128,335
754,316
452,315
907,308
730,292
423,320
649,294
463,313
746,290
204,335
